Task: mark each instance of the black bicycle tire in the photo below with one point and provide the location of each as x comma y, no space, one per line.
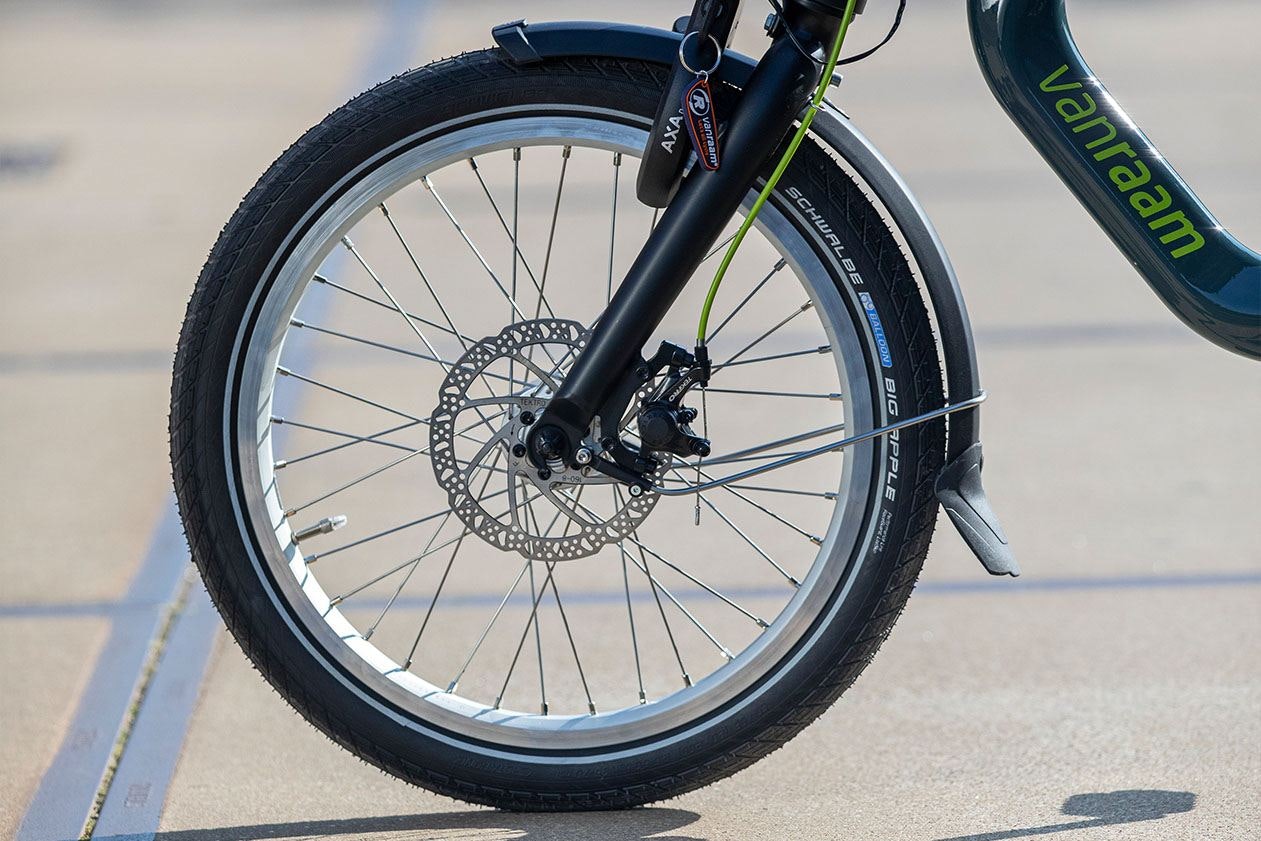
373,121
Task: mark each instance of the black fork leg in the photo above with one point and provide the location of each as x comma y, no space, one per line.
686,231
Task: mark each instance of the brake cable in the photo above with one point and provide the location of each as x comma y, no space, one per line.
829,66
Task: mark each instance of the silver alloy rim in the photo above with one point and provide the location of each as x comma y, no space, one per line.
384,675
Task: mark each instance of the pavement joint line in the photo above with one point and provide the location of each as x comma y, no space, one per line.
151,747
157,648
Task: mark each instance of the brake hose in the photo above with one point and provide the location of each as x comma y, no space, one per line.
780,168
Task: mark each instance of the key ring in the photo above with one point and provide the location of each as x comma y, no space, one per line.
683,59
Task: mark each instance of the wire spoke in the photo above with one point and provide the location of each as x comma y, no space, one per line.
511,230
630,616
353,439
807,305
749,540
725,599
617,171
756,289
768,512
356,481
350,246
369,299
464,343
299,323
774,356
285,372
367,635
455,682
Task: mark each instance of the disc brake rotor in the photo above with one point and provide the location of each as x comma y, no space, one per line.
491,484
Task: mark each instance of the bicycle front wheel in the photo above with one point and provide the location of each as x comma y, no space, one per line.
396,297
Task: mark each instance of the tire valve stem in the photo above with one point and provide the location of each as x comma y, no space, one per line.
326,526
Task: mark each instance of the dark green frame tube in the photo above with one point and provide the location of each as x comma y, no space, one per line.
1207,277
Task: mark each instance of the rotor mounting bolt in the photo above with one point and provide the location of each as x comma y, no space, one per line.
636,490
583,456
519,450
527,417
545,474
644,372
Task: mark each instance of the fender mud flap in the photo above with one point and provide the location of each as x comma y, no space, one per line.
959,489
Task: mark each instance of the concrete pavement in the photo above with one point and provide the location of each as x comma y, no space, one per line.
1114,692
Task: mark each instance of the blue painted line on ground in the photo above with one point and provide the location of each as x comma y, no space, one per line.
137,796
65,795
980,585
1025,335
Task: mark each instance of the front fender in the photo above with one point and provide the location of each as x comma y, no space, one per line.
959,486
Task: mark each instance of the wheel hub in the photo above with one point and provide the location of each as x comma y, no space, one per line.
477,435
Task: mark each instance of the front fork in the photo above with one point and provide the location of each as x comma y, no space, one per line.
607,368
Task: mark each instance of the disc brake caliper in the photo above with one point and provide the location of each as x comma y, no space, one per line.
664,422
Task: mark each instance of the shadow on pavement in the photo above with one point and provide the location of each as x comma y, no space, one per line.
1102,809
629,825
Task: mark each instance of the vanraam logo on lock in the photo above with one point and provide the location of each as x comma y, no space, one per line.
1125,169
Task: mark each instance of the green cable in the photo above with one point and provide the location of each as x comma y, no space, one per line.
780,168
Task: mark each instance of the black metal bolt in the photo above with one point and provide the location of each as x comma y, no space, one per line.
545,474
527,418
519,450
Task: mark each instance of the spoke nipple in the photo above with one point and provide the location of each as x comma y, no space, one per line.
807,305
642,699
830,495
384,210
516,154
781,263
823,349
319,278
591,707
817,541
687,679
346,242
761,623
498,700
727,654
544,707
297,322
835,396
452,686
277,419
617,159
283,371
566,151
280,465
335,601
368,635
407,664
472,162
794,581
